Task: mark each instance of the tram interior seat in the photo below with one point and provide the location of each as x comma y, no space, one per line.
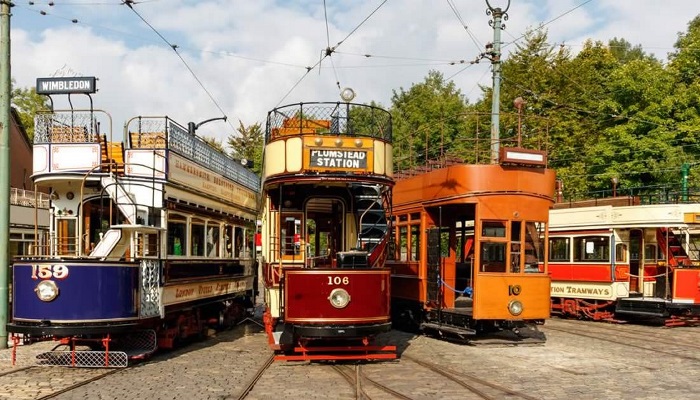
352,259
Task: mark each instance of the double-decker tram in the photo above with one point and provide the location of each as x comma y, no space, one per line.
468,244
631,258
327,179
149,243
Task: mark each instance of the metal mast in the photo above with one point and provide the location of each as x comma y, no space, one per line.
4,165
493,51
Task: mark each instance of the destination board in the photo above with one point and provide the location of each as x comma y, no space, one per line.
345,159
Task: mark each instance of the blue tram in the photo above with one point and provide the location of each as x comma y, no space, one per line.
150,240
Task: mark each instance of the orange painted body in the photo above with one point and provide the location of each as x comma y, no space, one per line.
487,216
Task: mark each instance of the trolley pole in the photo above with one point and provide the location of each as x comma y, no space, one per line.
493,52
4,165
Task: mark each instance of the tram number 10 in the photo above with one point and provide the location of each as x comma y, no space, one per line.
58,271
338,280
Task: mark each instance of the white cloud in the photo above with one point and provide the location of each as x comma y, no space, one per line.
220,41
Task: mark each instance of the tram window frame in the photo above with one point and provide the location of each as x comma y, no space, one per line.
238,241
651,252
534,246
213,237
415,241
487,263
494,228
556,253
403,243
586,248
228,231
621,252
175,232
516,246
197,237
297,219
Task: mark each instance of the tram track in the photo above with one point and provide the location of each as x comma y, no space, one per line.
470,382
24,380
359,377
599,336
657,336
258,374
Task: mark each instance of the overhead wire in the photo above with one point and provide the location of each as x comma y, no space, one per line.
129,3
328,52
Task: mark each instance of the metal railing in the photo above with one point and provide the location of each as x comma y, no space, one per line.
29,198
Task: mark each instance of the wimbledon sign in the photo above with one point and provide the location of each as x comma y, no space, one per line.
67,85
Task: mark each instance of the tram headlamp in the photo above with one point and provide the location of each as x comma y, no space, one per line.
339,298
46,290
515,307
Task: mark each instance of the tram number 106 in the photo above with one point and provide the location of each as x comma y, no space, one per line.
338,280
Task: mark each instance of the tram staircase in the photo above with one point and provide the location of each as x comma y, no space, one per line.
677,256
372,228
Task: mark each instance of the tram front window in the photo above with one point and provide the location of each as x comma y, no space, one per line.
493,257
291,235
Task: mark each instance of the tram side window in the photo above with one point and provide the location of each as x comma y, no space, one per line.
391,251
534,246
621,252
197,242
212,240
238,242
228,241
592,248
415,242
515,246
650,252
403,243
559,249
291,234
177,235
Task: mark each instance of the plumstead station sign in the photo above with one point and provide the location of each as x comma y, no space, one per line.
66,85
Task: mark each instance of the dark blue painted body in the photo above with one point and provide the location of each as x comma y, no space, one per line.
89,292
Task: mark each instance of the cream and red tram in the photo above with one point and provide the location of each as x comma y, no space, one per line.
327,179
622,260
468,239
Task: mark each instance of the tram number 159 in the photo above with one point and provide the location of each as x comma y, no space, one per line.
337,280
58,271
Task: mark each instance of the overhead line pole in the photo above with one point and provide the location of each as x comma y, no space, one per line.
4,165
494,54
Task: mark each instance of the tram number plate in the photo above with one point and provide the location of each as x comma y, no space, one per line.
514,290
338,280
58,271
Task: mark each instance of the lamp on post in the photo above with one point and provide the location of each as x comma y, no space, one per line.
614,185
192,127
519,102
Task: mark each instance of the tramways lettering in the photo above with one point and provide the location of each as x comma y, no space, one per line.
211,183
580,290
339,159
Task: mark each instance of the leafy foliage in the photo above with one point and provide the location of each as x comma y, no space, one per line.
248,145
27,102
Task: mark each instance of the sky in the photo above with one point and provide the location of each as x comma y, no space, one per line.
242,58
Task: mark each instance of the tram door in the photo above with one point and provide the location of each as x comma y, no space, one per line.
636,257
433,273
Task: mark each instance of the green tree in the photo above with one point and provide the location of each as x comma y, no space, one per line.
248,144
428,121
27,103
214,142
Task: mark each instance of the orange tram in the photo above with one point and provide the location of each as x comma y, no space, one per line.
327,182
617,259
467,243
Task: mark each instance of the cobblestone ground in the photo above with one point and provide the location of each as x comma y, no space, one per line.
649,363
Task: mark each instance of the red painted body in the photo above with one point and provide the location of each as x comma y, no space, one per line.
307,291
